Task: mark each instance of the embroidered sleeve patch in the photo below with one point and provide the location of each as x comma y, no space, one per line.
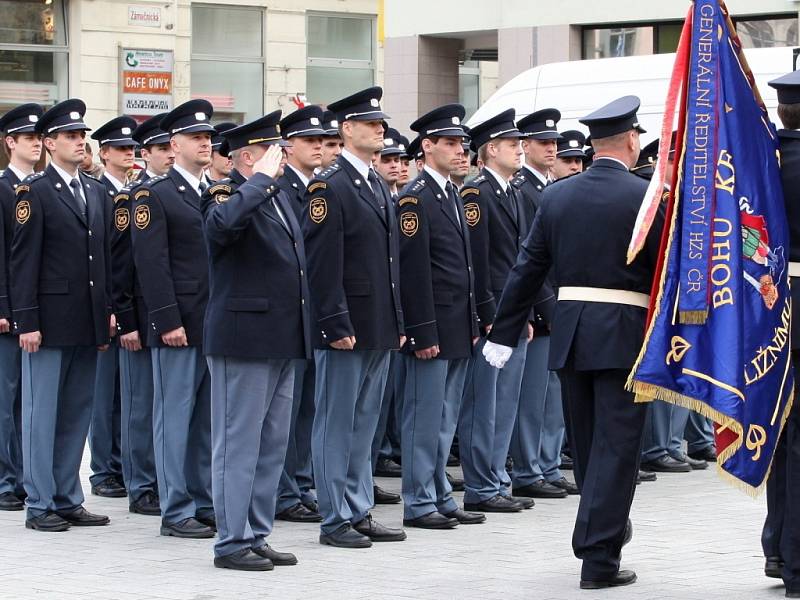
409,224
407,200
121,197
317,185
318,210
122,218
21,188
141,216
219,188
23,211
468,191
142,194
472,213
220,198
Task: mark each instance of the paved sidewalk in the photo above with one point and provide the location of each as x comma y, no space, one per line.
695,537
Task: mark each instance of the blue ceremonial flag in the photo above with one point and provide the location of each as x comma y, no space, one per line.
719,337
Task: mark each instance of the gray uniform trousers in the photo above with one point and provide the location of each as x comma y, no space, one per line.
699,432
182,432
251,411
539,430
488,413
349,387
57,390
10,415
296,478
390,406
432,399
663,431
104,430
136,388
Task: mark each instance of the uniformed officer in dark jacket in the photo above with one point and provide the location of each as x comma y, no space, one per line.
24,148
172,265
331,140
497,219
569,154
256,330
303,135
116,152
539,429
61,299
351,243
598,328
780,537
135,361
220,166
441,322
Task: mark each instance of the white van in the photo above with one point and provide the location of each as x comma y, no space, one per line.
576,88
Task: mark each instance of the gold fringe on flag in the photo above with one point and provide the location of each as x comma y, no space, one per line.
693,317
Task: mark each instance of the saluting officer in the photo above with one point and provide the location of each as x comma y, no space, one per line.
135,362
569,154
598,328
117,153
61,299
780,538
331,140
303,135
351,242
539,430
256,330
172,265
442,323
496,215
23,146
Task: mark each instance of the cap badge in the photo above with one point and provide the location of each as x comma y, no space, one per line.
573,143
550,123
33,118
388,142
374,102
75,115
126,131
200,116
314,121
334,123
456,121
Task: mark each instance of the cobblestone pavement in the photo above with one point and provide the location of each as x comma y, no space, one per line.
695,537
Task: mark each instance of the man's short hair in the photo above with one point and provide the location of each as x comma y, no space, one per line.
610,141
789,114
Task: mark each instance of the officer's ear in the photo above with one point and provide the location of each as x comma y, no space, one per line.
346,128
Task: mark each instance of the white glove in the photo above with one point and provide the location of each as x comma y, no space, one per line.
496,355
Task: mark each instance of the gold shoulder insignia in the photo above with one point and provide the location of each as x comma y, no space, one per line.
317,185
23,211
22,187
122,218
409,223
220,187
317,210
141,216
142,194
472,213
407,200
467,191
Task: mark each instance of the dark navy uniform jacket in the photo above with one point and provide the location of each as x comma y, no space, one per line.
531,189
436,271
790,177
295,190
60,262
353,260
258,304
8,186
582,230
498,225
170,256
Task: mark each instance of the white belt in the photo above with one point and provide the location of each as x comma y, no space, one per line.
794,269
592,294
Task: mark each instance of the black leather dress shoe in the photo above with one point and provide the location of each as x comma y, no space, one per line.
696,465
8,501
433,520
524,502
243,560
645,477
188,528
345,537
566,462
299,514
279,559
466,518
47,522
386,467
311,505
708,454
455,483
666,464
497,504
109,488
567,486
80,517
539,489
207,519
773,567
146,504
381,496
620,578
377,532
452,461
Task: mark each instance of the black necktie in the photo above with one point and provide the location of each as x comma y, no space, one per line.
203,186
512,198
75,186
376,190
451,194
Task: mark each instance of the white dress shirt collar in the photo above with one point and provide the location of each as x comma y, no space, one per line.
438,178
503,182
193,181
542,178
